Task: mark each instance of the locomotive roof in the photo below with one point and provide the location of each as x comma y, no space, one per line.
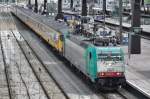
49,21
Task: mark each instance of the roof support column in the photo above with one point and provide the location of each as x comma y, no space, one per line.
29,4
136,13
44,10
142,2
36,6
60,14
71,4
120,19
84,8
104,6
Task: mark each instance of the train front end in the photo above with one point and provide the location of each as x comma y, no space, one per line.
110,67
107,69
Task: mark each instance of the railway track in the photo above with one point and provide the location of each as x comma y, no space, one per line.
38,67
104,95
5,70
47,83
21,81
6,64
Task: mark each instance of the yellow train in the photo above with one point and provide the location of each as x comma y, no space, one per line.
52,35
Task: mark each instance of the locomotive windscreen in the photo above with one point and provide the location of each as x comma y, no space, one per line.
110,56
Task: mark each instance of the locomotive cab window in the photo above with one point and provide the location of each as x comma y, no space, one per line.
90,55
110,57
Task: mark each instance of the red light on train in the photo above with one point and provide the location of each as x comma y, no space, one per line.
110,74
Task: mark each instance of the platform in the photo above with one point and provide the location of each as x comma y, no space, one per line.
127,25
138,68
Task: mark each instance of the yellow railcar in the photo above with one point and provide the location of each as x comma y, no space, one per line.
50,35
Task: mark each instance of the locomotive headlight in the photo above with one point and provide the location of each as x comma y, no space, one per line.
102,74
109,64
119,73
